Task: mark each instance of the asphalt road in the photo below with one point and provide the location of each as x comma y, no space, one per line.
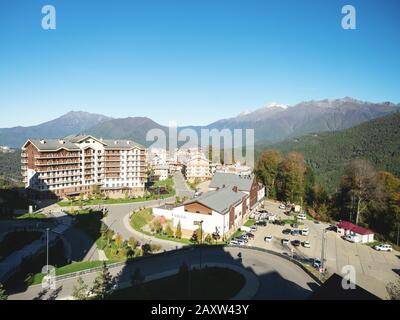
373,269
278,278
181,188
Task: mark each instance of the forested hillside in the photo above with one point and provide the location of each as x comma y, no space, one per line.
377,141
10,165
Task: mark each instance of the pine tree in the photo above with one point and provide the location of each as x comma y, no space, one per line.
103,283
3,295
178,231
80,291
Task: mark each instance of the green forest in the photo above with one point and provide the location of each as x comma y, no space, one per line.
327,154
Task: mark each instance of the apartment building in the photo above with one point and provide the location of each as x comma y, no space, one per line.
197,167
82,163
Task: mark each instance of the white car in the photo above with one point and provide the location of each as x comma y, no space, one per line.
383,247
285,242
306,244
304,232
352,238
268,238
301,216
253,228
282,206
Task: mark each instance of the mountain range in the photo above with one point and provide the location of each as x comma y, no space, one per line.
271,124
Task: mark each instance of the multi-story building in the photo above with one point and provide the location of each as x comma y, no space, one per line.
197,167
80,164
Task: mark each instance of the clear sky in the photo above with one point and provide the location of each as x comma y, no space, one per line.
193,61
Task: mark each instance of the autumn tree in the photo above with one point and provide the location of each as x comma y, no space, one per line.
266,170
291,178
361,185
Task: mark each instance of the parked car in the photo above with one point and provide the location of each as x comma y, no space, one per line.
306,244
262,211
296,243
285,242
332,228
234,242
286,231
317,263
253,228
262,223
295,232
304,232
244,236
278,222
268,238
301,216
250,235
282,206
352,238
383,247
245,229
294,225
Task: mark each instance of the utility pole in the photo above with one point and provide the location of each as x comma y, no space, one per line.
322,268
201,239
47,250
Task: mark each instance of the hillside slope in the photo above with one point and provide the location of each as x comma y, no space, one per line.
377,140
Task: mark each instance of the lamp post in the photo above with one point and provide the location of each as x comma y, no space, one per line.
47,250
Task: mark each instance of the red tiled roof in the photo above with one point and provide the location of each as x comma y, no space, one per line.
354,228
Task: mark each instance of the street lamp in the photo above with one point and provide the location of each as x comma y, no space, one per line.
47,250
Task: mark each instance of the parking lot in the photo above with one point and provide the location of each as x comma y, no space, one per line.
374,269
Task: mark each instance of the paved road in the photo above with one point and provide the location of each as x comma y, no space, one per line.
182,189
373,269
278,278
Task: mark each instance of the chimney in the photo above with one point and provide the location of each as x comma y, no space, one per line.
61,141
42,141
234,189
128,142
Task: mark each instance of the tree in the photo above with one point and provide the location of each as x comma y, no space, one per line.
208,239
155,225
178,231
132,242
216,236
266,170
197,235
362,187
393,289
290,178
80,291
169,231
137,277
118,240
146,249
103,283
3,295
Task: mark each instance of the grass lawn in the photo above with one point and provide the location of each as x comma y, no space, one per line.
208,283
33,216
94,202
144,217
70,268
250,222
141,218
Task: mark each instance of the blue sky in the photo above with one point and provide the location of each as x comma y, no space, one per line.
193,61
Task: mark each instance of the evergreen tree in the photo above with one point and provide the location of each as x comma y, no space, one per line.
80,291
103,283
178,231
3,295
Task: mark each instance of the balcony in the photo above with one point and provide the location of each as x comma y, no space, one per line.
55,163
51,169
56,156
24,160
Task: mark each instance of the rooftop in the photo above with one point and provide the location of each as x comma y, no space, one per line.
243,183
219,200
354,228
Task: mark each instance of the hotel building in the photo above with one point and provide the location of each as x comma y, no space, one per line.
81,164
